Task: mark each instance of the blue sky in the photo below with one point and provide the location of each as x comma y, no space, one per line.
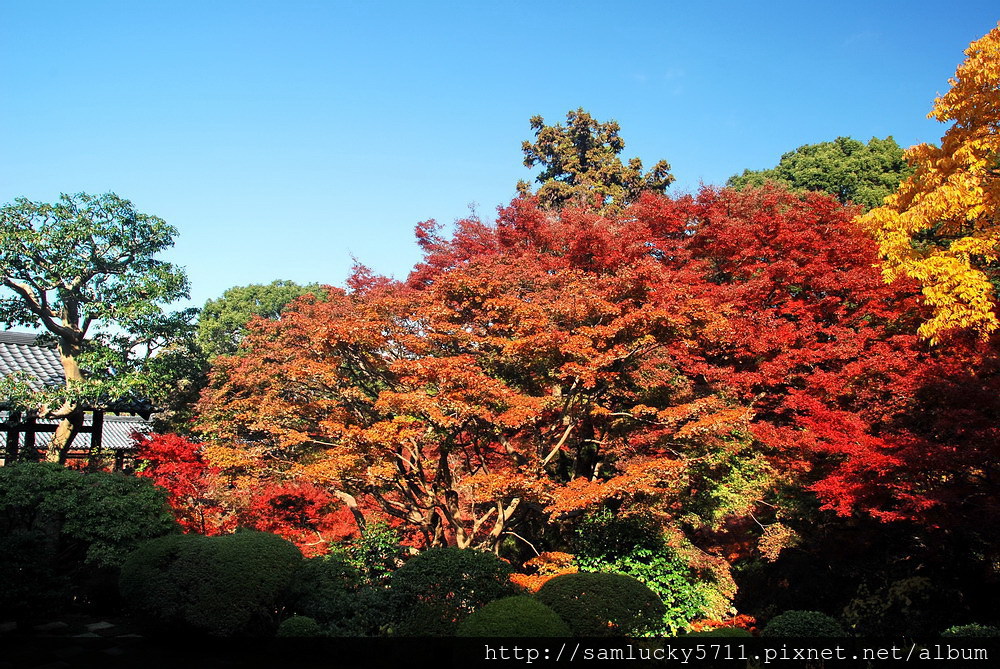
283,138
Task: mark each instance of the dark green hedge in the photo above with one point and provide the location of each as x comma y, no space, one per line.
598,605
435,590
64,534
225,585
520,616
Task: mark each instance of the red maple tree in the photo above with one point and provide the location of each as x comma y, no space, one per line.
689,356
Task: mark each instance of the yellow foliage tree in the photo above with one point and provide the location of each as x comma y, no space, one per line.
942,227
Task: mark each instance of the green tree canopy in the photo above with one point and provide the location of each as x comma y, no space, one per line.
580,162
223,321
845,168
181,369
84,263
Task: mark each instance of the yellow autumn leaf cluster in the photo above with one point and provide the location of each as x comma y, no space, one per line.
942,227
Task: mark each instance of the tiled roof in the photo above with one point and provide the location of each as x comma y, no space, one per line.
26,338
19,353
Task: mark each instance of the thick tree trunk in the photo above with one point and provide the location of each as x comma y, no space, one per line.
66,431
70,413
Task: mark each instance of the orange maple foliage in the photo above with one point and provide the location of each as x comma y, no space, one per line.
525,371
545,566
686,357
740,620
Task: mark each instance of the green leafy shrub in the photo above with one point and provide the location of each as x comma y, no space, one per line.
603,604
913,606
665,574
519,616
346,591
376,553
971,630
114,513
802,624
96,518
221,585
635,547
334,592
65,533
299,626
434,590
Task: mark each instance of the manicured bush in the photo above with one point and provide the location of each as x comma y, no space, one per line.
802,624
114,513
299,626
603,604
64,534
94,518
222,585
333,591
520,616
721,632
971,630
436,589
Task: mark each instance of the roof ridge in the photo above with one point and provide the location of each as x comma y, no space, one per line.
22,338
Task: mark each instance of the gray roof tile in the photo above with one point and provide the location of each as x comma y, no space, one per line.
19,353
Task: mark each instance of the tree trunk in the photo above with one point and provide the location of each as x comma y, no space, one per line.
71,413
67,429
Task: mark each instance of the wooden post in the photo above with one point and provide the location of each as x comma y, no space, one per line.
96,439
13,431
29,436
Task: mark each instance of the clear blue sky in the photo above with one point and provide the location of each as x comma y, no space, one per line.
281,138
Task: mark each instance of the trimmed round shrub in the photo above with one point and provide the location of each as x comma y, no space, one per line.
436,589
802,624
222,585
722,632
520,616
332,591
299,626
971,630
597,605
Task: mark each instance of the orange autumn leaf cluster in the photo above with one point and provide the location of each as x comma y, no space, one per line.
518,373
545,566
